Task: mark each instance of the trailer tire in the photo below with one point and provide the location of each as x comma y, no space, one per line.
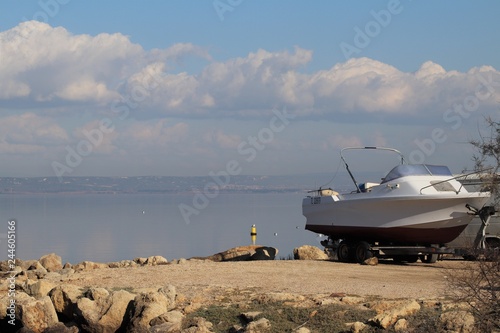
429,258
362,252
343,252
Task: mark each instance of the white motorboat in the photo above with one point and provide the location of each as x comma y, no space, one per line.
414,204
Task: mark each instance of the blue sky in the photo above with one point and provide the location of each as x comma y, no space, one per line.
278,87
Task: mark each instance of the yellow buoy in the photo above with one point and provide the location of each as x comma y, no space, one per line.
253,234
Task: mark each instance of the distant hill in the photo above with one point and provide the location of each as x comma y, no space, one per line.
162,184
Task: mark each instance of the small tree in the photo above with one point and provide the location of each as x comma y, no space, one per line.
488,157
478,283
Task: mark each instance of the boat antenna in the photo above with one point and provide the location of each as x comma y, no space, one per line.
350,174
334,175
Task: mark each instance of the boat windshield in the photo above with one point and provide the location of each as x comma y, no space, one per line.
417,170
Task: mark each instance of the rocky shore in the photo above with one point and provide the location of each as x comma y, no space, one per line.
222,293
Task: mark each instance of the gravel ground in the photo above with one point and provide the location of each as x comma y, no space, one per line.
194,278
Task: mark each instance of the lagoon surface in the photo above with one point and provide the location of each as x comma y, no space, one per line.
113,227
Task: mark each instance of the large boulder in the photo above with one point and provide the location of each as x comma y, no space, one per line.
101,311
309,252
264,253
244,253
40,288
119,303
88,313
51,262
147,306
37,315
64,297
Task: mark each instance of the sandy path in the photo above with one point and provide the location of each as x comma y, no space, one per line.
300,277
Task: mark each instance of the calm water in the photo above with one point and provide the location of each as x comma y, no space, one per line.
110,227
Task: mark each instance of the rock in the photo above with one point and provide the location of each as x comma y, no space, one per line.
166,328
102,312
51,262
40,288
373,261
303,330
29,265
122,264
355,327
351,300
88,313
308,252
167,322
401,325
235,254
119,303
67,266
168,317
264,253
89,265
4,303
201,326
37,315
156,260
36,274
67,271
192,307
389,317
258,326
141,261
182,261
4,266
170,293
244,253
100,295
63,328
458,321
64,297
145,307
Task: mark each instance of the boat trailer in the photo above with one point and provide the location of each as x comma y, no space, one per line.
358,250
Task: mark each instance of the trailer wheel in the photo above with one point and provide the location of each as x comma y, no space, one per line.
362,252
429,258
343,252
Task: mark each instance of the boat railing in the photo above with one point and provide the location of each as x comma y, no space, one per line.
454,178
358,190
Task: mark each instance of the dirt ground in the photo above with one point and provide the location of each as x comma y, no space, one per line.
192,278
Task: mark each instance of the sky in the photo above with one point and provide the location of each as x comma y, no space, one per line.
227,87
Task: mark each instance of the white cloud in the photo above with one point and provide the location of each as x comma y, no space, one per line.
156,133
29,133
222,140
48,66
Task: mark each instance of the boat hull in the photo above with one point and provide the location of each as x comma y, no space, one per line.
409,220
